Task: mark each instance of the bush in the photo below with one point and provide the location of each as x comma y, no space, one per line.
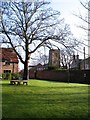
6,76
9,76
15,76
0,76
52,68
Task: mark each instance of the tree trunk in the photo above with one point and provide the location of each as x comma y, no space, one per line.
25,74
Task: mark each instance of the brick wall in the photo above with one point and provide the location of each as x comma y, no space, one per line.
74,76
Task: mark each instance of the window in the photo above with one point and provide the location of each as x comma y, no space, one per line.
7,63
7,71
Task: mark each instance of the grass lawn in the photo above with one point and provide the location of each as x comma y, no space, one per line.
44,99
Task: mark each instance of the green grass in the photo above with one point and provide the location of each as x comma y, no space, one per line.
44,99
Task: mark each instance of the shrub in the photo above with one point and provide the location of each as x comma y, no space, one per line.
15,76
9,76
6,76
52,68
0,76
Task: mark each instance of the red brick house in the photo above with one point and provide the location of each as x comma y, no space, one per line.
8,61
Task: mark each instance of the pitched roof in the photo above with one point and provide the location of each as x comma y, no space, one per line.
87,60
9,55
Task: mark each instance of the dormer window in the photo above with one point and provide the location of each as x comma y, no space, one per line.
7,62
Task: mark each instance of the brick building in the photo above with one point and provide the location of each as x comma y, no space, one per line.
8,61
75,64
85,64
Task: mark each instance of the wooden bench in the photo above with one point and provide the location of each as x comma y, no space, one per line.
18,82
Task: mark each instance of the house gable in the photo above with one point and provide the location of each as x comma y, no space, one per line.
8,61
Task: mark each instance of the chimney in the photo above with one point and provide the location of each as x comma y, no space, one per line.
73,57
78,57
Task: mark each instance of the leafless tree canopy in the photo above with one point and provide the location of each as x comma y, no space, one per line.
29,25
85,25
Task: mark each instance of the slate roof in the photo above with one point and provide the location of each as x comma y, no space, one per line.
9,55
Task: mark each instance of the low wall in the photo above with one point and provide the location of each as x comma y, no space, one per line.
74,76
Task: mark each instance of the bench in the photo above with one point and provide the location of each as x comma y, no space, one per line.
18,82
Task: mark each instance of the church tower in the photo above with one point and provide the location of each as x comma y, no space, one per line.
54,58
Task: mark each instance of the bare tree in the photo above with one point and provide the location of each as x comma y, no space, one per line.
85,24
84,17
26,26
42,59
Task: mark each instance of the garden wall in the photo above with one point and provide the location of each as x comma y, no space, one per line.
74,76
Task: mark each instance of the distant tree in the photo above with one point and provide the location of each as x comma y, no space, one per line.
85,22
84,17
40,58
66,55
26,26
